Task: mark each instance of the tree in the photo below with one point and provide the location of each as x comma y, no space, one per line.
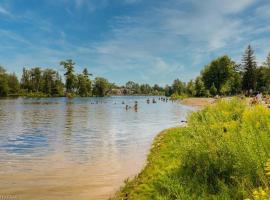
158,90
213,90
51,83
146,89
58,86
133,88
249,68
101,86
13,84
168,90
25,80
48,82
4,90
84,84
70,77
267,61
178,87
263,76
191,88
218,73
199,87
36,79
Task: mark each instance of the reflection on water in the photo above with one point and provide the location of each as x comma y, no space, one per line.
81,148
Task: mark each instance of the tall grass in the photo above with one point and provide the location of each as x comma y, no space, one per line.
221,154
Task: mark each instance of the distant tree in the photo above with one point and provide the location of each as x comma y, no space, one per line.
36,79
51,83
191,88
25,80
70,76
146,89
4,90
130,85
266,64
13,84
168,90
101,86
130,88
84,84
45,81
199,87
158,90
249,70
178,87
263,76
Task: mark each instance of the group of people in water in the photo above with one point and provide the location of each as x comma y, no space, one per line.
135,106
148,101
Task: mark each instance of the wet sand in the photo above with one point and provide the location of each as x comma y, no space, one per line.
61,179
198,102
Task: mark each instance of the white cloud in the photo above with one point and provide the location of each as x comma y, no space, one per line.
172,32
168,39
263,11
4,11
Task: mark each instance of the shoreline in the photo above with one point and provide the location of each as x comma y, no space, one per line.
131,182
195,102
182,158
198,101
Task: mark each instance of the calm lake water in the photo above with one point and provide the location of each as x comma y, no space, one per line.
81,148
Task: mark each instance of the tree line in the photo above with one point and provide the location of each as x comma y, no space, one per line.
38,82
222,76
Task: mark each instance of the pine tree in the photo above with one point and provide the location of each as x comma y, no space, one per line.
249,69
267,62
70,76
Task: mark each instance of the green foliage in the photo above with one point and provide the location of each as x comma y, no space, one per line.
199,87
4,90
218,72
145,89
178,87
221,154
101,87
84,84
168,90
191,88
13,84
9,84
213,90
263,76
38,82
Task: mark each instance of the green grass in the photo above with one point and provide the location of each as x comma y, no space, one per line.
221,154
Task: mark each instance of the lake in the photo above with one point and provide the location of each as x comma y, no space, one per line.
80,148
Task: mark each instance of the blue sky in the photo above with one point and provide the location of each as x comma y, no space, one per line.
147,41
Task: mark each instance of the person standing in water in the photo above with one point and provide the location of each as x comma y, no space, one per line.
136,106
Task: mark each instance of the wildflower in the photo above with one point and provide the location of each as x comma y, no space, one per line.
267,167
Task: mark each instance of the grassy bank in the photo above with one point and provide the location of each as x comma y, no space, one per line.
221,154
